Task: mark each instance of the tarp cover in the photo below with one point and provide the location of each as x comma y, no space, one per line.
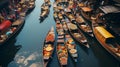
4,25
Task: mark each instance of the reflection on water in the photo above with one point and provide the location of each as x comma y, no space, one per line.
8,52
27,59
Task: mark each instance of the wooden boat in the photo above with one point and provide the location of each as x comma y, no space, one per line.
84,26
59,28
60,16
71,17
55,16
63,13
11,31
106,39
111,15
61,48
31,5
86,12
71,46
48,46
77,34
47,2
44,12
62,22
22,9
65,27
54,5
61,51
68,10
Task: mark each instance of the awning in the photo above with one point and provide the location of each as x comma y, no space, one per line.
104,32
4,25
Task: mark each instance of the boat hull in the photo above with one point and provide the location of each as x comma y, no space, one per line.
48,47
105,45
14,33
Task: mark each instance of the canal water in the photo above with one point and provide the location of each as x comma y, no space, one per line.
25,49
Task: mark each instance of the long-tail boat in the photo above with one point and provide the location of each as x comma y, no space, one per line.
88,8
62,52
106,39
55,16
65,27
83,25
48,46
71,17
31,5
71,46
8,29
44,11
111,15
60,16
86,12
61,48
47,2
59,28
77,34
69,42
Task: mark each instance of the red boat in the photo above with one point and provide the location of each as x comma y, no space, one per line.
48,46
